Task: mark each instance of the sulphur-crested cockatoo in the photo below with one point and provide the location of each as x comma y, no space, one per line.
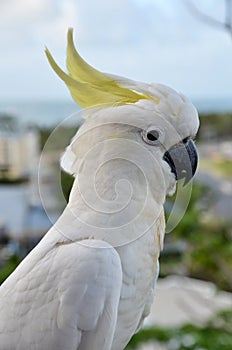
89,283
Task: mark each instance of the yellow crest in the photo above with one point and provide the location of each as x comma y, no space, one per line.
88,86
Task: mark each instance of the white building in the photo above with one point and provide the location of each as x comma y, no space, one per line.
21,209
19,149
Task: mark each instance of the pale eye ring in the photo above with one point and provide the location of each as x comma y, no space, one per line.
153,136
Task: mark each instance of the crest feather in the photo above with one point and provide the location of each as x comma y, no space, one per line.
88,86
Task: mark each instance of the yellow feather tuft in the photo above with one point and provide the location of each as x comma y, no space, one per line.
88,86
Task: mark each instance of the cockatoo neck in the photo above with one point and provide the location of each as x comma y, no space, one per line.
116,198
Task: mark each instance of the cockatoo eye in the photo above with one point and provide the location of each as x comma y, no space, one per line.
153,136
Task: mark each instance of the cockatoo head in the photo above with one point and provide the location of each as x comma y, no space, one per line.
150,125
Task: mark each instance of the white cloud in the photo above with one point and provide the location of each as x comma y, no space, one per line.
13,11
54,28
149,40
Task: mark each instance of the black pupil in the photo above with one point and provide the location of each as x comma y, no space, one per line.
153,135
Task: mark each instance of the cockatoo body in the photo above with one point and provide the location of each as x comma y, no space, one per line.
89,283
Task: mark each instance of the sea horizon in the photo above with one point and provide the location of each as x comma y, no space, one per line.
48,113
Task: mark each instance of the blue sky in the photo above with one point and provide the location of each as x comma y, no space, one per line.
147,40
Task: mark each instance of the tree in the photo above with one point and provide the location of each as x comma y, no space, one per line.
224,25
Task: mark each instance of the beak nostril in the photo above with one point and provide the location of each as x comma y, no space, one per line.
185,140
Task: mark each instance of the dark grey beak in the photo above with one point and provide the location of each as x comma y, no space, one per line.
183,160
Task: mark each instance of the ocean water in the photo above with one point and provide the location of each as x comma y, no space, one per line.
51,113
42,113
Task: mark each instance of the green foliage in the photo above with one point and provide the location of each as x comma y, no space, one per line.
44,135
216,334
210,254
221,167
62,136
66,183
9,267
208,243
215,125
7,181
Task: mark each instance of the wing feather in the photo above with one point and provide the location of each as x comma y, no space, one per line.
68,300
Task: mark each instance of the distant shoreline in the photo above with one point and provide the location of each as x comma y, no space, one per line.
49,113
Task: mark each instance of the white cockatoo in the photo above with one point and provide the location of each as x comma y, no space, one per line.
89,283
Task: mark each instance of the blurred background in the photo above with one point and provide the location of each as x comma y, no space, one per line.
184,44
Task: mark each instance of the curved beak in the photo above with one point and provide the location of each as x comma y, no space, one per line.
182,159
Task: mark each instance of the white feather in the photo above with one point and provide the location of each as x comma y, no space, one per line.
68,295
